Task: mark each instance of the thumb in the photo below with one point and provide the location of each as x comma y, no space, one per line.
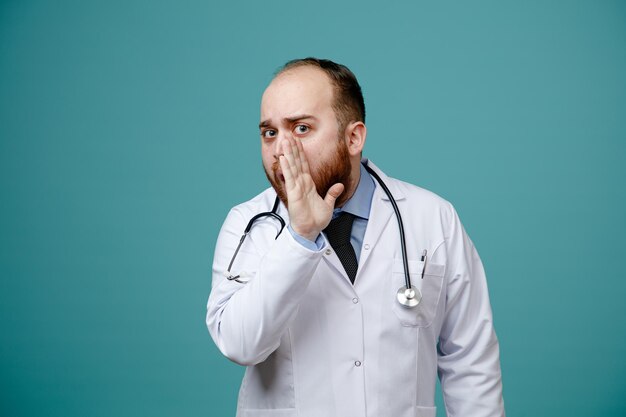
332,194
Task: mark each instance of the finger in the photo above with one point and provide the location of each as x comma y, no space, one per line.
296,154
286,169
304,163
333,193
291,163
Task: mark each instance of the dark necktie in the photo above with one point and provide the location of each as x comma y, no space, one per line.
338,233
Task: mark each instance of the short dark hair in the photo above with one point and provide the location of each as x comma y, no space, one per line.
348,101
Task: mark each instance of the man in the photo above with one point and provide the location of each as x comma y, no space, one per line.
315,314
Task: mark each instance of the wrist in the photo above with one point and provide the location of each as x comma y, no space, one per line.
310,234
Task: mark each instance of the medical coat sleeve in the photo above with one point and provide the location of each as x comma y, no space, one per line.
469,364
246,321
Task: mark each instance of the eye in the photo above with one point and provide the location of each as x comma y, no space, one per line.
268,133
302,129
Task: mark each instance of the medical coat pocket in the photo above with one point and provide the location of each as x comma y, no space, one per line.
430,286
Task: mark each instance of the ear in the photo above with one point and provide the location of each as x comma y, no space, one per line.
355,137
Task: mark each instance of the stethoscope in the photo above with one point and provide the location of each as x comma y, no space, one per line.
407,296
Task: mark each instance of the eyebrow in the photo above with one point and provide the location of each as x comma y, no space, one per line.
266,123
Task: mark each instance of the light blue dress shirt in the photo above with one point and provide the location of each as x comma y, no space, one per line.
359,205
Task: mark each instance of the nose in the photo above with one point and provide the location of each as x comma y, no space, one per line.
281,137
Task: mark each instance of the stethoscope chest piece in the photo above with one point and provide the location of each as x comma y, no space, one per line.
408,297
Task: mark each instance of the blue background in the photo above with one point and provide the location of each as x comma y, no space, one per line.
128,129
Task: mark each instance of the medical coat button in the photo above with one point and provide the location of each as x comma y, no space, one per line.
366,247
357,363
355,300
328,252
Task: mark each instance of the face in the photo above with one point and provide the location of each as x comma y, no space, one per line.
298,104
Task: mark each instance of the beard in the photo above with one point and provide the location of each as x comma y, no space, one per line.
336,170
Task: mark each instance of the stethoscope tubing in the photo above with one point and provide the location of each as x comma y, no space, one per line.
405,262
275,215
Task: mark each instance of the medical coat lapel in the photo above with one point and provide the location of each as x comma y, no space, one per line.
380,215
331,258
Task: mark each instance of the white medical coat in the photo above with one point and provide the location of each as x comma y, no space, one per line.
317,346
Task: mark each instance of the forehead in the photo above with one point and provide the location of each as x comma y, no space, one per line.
302,90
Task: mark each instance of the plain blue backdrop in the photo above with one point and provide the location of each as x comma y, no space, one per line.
128,129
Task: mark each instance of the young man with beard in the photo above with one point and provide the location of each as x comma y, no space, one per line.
315,313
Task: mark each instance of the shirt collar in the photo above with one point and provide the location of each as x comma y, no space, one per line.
361,201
